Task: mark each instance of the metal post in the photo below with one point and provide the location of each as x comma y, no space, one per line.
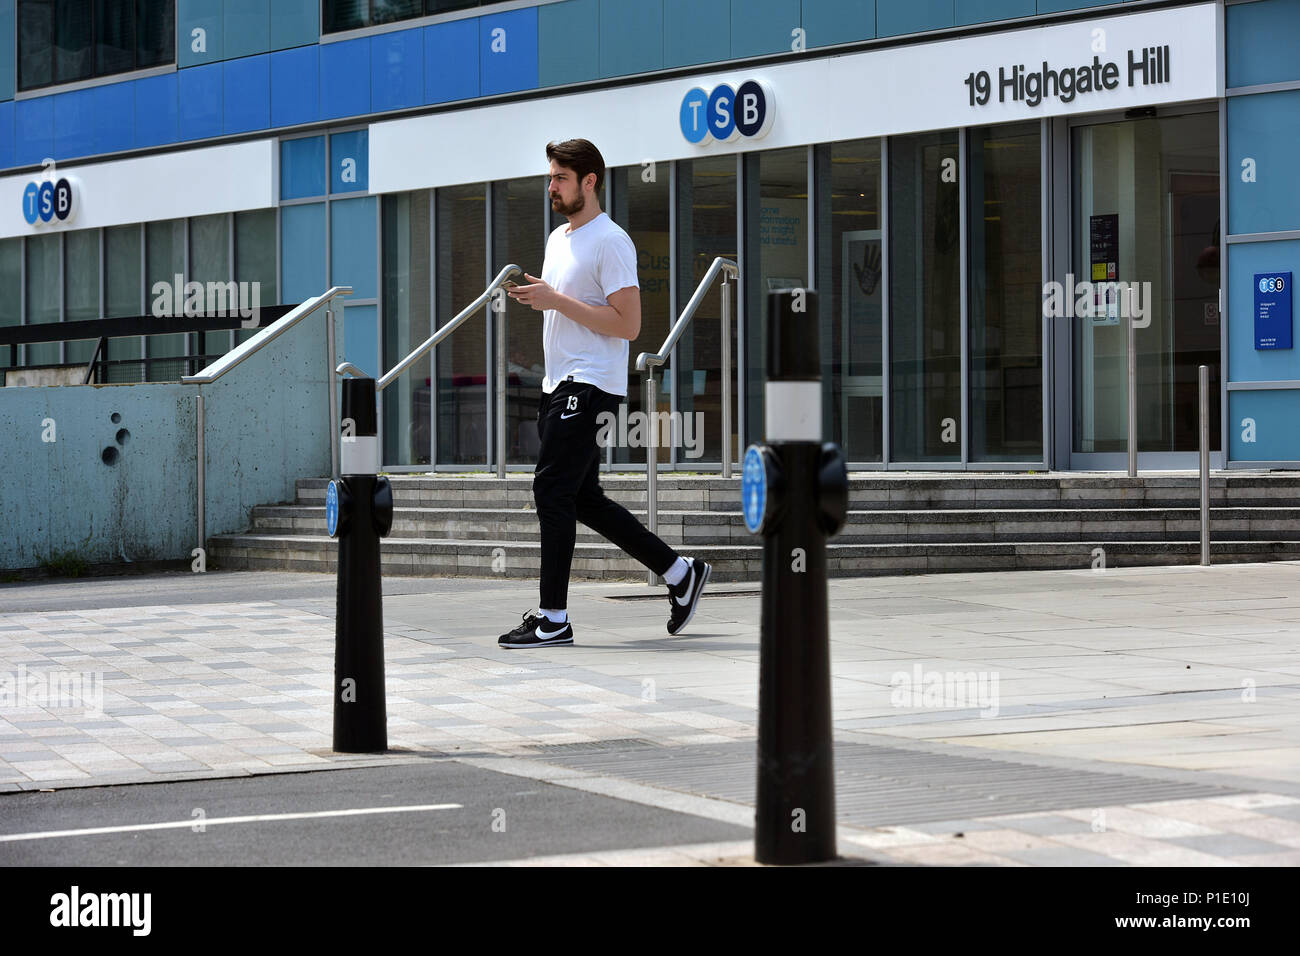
334,391
726,375
1132,400
651,465
1203,374
498,298
201,465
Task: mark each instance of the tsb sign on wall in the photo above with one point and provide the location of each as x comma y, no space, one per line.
724,113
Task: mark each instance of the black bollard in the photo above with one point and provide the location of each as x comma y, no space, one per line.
359,511
796,494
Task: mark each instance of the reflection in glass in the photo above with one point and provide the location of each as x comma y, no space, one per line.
80,287
462,358
925,298
43,294
164,260
850,288
122,296
519,236
1006,304
407,323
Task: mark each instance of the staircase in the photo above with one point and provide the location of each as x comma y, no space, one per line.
898,523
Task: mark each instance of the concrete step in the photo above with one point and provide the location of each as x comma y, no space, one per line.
520,559
685,528
869,491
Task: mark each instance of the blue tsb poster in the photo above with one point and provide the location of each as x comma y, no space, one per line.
1273,310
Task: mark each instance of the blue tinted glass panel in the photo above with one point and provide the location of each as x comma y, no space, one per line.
302,167
302,251
350,161
354,246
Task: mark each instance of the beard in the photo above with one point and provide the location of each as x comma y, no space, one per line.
568,209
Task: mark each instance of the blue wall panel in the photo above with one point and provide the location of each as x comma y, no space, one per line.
155,110
345,78
350,156
982,11
763,26
696,31
514,67
361,337
8,70
6,135
1264,127
1245,364
33,131
354,245
1263,42
631,36
827,22
1055,6
247,25
247,94
451,61
913,16
302,169
200,101
568,42
74,131
302,256
206,15
1274,414
396,70
295,86
294,23
114,123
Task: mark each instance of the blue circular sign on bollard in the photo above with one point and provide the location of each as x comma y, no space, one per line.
332,508
753,489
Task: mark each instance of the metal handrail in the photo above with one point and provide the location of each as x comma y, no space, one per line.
100,347
646,362
264,338
432,341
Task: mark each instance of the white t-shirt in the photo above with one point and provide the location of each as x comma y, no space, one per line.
588,264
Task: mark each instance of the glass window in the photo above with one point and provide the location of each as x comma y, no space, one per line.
462,358
155,38
62,41
706,229
43,294
114,36
925,298
407,323
346,15
302,167
35,43
255,260
122,275
1146,211
849,290
350,159
642,207
81,286
164,261
1006,304
11,277
519,236
210,265
386,11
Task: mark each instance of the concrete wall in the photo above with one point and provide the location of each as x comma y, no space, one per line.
267,425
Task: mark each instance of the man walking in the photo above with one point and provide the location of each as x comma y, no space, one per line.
591,304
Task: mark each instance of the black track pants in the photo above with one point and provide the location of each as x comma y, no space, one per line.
566,488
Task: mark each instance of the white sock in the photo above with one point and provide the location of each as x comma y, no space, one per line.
674,575
555,617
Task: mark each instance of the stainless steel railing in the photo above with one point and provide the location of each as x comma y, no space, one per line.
647,362
494,288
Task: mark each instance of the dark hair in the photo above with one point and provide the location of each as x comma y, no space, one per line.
580,155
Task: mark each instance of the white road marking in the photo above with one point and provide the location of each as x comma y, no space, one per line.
218,821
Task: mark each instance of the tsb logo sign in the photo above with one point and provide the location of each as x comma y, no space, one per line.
50,201
724,113
1272,284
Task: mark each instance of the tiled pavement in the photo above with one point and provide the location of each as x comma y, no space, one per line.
1181,673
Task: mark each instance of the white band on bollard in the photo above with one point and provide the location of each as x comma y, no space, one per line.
794,411
359,455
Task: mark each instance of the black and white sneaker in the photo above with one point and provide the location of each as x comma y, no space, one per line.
537,631
683,598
